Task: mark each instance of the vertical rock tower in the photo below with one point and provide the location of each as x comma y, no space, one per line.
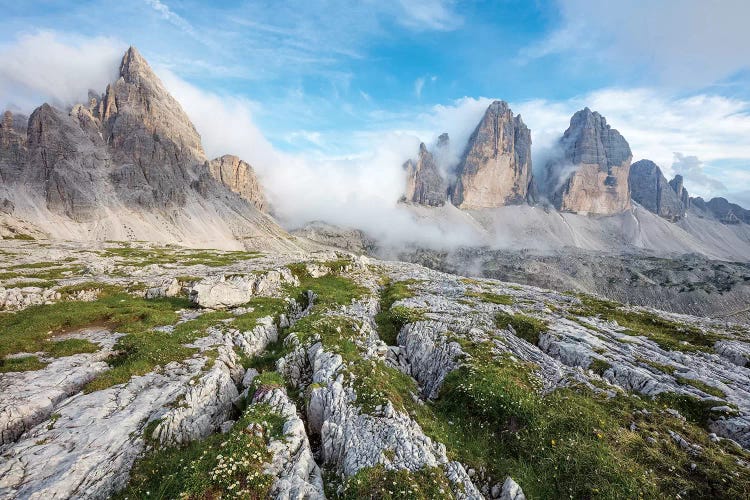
591,176
495,169
650,188
424,184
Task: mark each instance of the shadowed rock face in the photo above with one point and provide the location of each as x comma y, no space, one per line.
723,210
678,187
496,166
650,188
240,177
592,174
424,184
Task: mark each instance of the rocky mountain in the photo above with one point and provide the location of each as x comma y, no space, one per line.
722,210
650,189
591,174
239,176
495,169
425,184
129,164
150,371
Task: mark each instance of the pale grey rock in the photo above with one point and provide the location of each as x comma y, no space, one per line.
293,464
592,173
207,404
650,189
424,183
14,299
249,376
511,490
735,351
495,169
222,293
240,177
28,398
678,186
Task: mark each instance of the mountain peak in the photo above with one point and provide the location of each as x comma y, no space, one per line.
134,67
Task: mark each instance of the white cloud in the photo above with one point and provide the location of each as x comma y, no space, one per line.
418,86
682,42
439,15
49,66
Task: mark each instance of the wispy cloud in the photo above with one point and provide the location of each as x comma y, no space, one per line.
428,15
678,42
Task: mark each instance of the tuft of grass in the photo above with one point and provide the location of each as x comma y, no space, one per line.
599,366
526,327
669,369
220,466
21,364
492,298
143,257
708,389
387,484
68,347
391,319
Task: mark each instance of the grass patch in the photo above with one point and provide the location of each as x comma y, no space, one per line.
669,369
667,334
143,257
491,415
21,364
68,347
526,327
492,298
34,328
331,290
25,284
378,482
599,366
708,389
143,349
220,466
391,319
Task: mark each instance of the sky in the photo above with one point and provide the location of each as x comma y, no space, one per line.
327,98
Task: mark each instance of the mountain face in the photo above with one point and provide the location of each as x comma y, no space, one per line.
650,188
239,176
129,164
677,185
592,174
496,166
425,185
721,209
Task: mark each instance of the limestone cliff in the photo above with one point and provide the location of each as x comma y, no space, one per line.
650,189
239,176
591,174
424,183
677,185
495,169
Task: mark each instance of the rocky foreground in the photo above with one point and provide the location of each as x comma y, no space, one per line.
137,371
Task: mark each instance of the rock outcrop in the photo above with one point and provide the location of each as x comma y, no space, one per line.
239,176
650,189
591,175
424,183
677,185
495,169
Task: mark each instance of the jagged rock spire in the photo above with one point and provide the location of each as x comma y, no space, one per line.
650,189
495,169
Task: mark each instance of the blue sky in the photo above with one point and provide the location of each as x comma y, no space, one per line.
333,80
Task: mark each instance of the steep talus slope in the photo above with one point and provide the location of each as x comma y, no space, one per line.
346,377
129,165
